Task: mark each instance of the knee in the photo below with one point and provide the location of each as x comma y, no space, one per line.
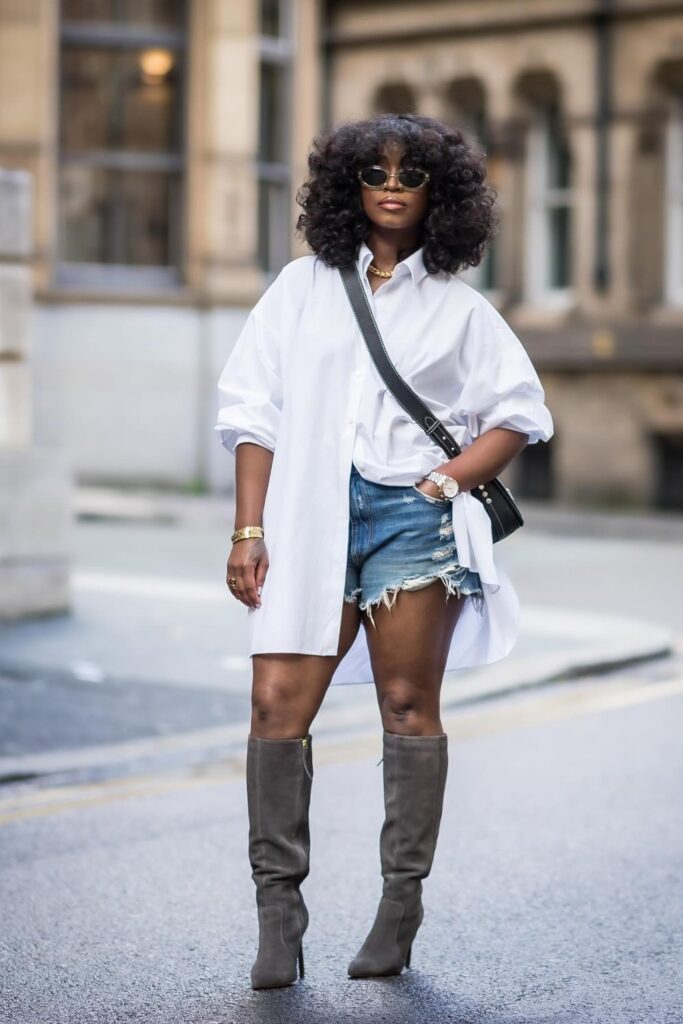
407,709
272,711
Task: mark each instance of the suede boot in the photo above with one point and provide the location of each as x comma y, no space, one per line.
279,776
415,769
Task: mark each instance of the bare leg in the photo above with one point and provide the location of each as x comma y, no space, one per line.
408,652
408,648
288,689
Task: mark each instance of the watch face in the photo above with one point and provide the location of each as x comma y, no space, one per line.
450,488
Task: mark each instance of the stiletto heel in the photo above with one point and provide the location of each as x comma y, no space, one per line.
279,777
415,769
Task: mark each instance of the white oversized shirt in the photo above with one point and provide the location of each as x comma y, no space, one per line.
300,381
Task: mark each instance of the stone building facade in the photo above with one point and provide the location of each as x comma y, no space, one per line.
579,107
35,497
167,145
165,138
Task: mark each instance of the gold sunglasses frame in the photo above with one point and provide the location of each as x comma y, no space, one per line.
393,174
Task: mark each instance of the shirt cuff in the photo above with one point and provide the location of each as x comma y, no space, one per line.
252,439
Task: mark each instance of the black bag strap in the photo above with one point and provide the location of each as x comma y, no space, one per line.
402,392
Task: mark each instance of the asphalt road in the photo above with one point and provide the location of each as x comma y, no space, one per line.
556,895
54,711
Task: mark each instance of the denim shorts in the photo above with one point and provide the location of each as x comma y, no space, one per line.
400,539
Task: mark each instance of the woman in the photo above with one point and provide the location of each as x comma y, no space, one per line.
337,525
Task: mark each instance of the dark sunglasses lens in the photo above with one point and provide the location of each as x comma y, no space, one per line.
373,176
412,177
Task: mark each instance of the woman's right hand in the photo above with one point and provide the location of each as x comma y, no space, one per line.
248,564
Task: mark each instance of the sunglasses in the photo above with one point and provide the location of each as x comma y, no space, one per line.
410,178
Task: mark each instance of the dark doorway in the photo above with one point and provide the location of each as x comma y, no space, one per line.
668,489
535,477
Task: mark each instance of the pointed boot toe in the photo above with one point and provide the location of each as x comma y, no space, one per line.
276,963
415,770
279,774
386,950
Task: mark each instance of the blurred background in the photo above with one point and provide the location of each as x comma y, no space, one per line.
165,141
150,153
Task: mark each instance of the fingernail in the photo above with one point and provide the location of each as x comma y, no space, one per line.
258,590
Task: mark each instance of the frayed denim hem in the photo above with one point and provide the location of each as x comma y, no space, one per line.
451,576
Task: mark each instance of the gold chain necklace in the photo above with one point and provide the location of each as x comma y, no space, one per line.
378,272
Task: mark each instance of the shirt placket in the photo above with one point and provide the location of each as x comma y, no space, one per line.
358,373
362,363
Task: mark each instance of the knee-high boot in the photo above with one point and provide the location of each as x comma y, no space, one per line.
279,775
415,769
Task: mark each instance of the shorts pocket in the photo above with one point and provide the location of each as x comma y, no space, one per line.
430,499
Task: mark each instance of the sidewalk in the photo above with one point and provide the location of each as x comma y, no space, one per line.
153,664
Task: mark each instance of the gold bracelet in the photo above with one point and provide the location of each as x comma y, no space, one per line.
247,531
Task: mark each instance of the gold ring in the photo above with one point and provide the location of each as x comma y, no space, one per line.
232,582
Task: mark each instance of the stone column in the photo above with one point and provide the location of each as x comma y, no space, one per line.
34,483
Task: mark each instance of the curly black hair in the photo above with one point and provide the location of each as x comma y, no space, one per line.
460,218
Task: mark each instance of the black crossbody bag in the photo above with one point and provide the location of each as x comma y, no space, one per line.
495,497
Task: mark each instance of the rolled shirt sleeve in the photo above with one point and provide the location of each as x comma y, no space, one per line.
503,388
250,386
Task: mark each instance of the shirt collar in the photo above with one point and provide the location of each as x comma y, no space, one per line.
414,263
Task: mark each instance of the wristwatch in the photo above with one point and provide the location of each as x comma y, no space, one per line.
447,485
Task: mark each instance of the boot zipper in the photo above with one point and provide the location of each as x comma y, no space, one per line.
304,746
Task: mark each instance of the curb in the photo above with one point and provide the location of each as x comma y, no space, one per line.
572,672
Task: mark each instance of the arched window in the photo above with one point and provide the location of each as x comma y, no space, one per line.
395,98
465,102
657,242
549,205
673,205
549,197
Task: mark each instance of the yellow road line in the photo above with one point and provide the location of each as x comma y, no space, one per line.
481,720
567,704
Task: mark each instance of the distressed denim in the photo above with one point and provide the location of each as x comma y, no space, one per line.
400,539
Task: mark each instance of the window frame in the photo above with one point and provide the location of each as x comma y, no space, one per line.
278,52
541,200
673,205
92,276
485,277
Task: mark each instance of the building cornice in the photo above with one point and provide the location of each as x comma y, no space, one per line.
338,38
